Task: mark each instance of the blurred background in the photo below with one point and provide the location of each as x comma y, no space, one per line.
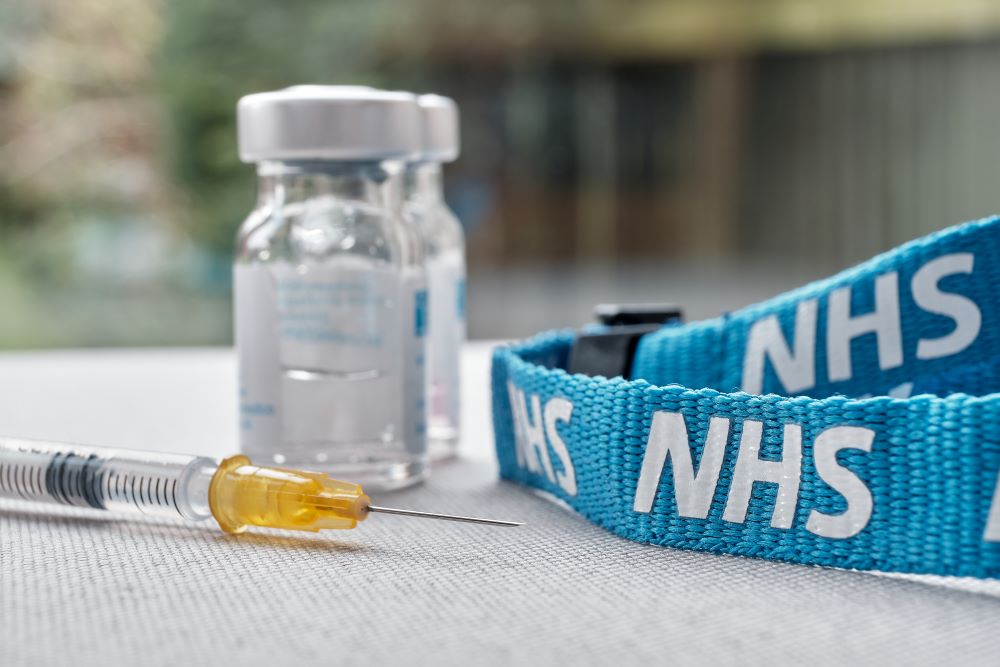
709,152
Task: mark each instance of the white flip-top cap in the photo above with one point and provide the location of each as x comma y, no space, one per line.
440,128
329,123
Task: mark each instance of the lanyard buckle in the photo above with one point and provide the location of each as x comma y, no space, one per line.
609,350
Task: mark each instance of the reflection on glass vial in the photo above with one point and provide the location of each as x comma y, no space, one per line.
329,292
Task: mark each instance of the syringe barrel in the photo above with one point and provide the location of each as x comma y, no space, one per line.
118,480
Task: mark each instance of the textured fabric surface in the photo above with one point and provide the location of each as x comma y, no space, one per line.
930,463
932,469
78,587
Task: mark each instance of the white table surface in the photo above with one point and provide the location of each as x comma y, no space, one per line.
79,587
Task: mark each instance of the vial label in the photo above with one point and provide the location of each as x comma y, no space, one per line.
321,357
414,327
446,274
256,318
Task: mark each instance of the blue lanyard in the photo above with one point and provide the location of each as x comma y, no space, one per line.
853,422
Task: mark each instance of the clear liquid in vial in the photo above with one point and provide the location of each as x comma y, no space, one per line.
322,359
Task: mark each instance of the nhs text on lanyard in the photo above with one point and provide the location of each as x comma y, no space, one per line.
853,422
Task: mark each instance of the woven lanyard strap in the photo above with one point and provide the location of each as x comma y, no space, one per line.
853,422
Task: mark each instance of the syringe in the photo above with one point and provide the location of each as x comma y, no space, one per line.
234,491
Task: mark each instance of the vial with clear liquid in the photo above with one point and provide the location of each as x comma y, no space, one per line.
330,286
444,246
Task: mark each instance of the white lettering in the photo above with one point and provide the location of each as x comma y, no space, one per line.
902,390
533,431
556,410
883,321
795,371
964,311
668,436
842,480
516,397
751,469
993,522
531,427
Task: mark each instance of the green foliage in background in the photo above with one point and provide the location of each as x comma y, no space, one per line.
215,52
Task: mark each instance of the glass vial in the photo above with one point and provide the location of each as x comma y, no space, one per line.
444,246
330,286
